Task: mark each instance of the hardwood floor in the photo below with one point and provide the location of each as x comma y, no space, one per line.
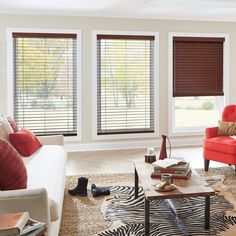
121,161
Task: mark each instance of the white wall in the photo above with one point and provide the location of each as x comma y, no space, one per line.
86,25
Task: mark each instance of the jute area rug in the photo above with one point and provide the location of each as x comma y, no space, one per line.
119,214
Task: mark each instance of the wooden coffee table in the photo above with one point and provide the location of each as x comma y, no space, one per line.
194,187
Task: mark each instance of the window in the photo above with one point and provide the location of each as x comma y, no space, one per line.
45,82
197,82
194,113
125,81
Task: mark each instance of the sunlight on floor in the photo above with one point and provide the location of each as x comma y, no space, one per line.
121,161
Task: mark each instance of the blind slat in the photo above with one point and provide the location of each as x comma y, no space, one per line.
125,37
43,35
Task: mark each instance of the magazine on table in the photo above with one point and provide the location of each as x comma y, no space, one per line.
169,162
31,226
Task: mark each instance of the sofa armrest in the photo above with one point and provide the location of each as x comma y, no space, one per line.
52,140
211,132
34,201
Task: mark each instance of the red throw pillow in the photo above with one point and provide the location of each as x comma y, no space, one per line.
13,124
13,174
25,142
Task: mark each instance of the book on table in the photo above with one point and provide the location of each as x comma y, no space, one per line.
185,175
13,223
175,168
19,224
179,168
169,163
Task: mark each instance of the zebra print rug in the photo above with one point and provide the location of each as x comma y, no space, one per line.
82,216
127,213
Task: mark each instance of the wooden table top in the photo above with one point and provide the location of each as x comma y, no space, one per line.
193,187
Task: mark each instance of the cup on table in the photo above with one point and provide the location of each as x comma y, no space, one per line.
150,151
167,178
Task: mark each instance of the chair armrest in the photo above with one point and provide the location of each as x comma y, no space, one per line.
52,140
34,201
211,132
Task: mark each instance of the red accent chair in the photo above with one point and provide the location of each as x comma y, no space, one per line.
220,148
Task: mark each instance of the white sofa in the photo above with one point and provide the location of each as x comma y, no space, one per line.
43,198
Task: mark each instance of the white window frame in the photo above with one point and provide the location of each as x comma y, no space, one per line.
172,130
10,72
94,86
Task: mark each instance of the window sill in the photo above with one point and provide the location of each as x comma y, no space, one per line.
72,138
125,136
180,133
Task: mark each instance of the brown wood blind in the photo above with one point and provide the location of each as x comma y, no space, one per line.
125,84
198,66
45,82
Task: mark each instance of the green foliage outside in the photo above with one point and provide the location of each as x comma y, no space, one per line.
124,70
197,111
207,105
197,103
40,64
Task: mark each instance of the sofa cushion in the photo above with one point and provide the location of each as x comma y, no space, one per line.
223,144
13,173
46,168
5,128
226,128
13,124
25,142
3,133
4,121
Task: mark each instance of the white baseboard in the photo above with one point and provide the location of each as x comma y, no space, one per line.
175,142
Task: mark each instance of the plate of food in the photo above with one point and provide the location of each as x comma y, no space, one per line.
164,187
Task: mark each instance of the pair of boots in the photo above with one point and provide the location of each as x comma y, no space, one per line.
81,189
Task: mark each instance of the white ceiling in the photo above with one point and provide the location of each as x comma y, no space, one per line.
214,10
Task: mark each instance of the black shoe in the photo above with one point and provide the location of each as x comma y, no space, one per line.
81,188
99,191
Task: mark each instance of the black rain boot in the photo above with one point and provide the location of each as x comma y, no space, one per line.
99,191
81,188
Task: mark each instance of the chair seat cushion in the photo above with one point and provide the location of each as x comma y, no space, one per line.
223,144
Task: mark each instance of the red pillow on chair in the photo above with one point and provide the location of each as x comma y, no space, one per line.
25,142
13,174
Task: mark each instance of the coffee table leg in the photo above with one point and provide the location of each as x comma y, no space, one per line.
207,212
146,205
135,183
